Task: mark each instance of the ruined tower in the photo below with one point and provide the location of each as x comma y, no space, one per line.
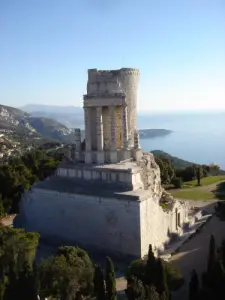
106,194
110,107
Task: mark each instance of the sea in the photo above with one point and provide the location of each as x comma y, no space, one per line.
196,137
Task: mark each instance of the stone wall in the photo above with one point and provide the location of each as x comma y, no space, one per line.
157,225
150,174
94,222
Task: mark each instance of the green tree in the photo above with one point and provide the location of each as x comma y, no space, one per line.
211,255
138,269
199,174
177,182
222,252
110,280
161,280
99,283
194,286
187,174
166,169
135,289
2,209
152,294
27,289
151,267
67,275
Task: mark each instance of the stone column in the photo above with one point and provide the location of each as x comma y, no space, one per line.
124,126
99,129
112,128
88,154
125,137
136,140
113,150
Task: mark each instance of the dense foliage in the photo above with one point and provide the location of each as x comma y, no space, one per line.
17,253
20,173
171,174
152,278
68,275
212,283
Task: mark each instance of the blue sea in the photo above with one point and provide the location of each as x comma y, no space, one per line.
196,137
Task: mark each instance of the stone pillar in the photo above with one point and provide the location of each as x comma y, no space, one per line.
137,152
136,140
99,128
125,137
88,154
77,139
124,126
113,150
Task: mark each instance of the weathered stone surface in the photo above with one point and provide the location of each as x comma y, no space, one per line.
108,197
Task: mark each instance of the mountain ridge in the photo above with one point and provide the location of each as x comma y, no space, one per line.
17,120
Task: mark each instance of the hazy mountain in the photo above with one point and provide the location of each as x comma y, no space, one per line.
70,116
18,120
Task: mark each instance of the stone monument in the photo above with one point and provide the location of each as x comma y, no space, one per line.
106,195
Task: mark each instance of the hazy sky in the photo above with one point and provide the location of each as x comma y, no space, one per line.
46,47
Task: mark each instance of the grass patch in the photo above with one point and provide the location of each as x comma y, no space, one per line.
194,194
204,181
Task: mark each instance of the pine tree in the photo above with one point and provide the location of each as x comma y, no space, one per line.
110,280
99,284
135,290
161,281
150,267
194,286
211,255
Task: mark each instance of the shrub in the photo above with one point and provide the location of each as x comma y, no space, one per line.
173,274
177,182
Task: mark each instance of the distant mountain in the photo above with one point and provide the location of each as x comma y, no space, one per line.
70,116
18,120
29,108
152,133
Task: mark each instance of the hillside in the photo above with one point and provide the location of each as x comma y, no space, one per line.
176,162
19,121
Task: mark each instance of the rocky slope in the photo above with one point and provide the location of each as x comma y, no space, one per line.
17,120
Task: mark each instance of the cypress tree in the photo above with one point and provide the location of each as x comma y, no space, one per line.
222,251
211,255
194,286
27,289
110,280
150,267
99,284
217,282
135,290
161,281
151,293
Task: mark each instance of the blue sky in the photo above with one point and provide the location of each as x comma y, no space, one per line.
179,46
